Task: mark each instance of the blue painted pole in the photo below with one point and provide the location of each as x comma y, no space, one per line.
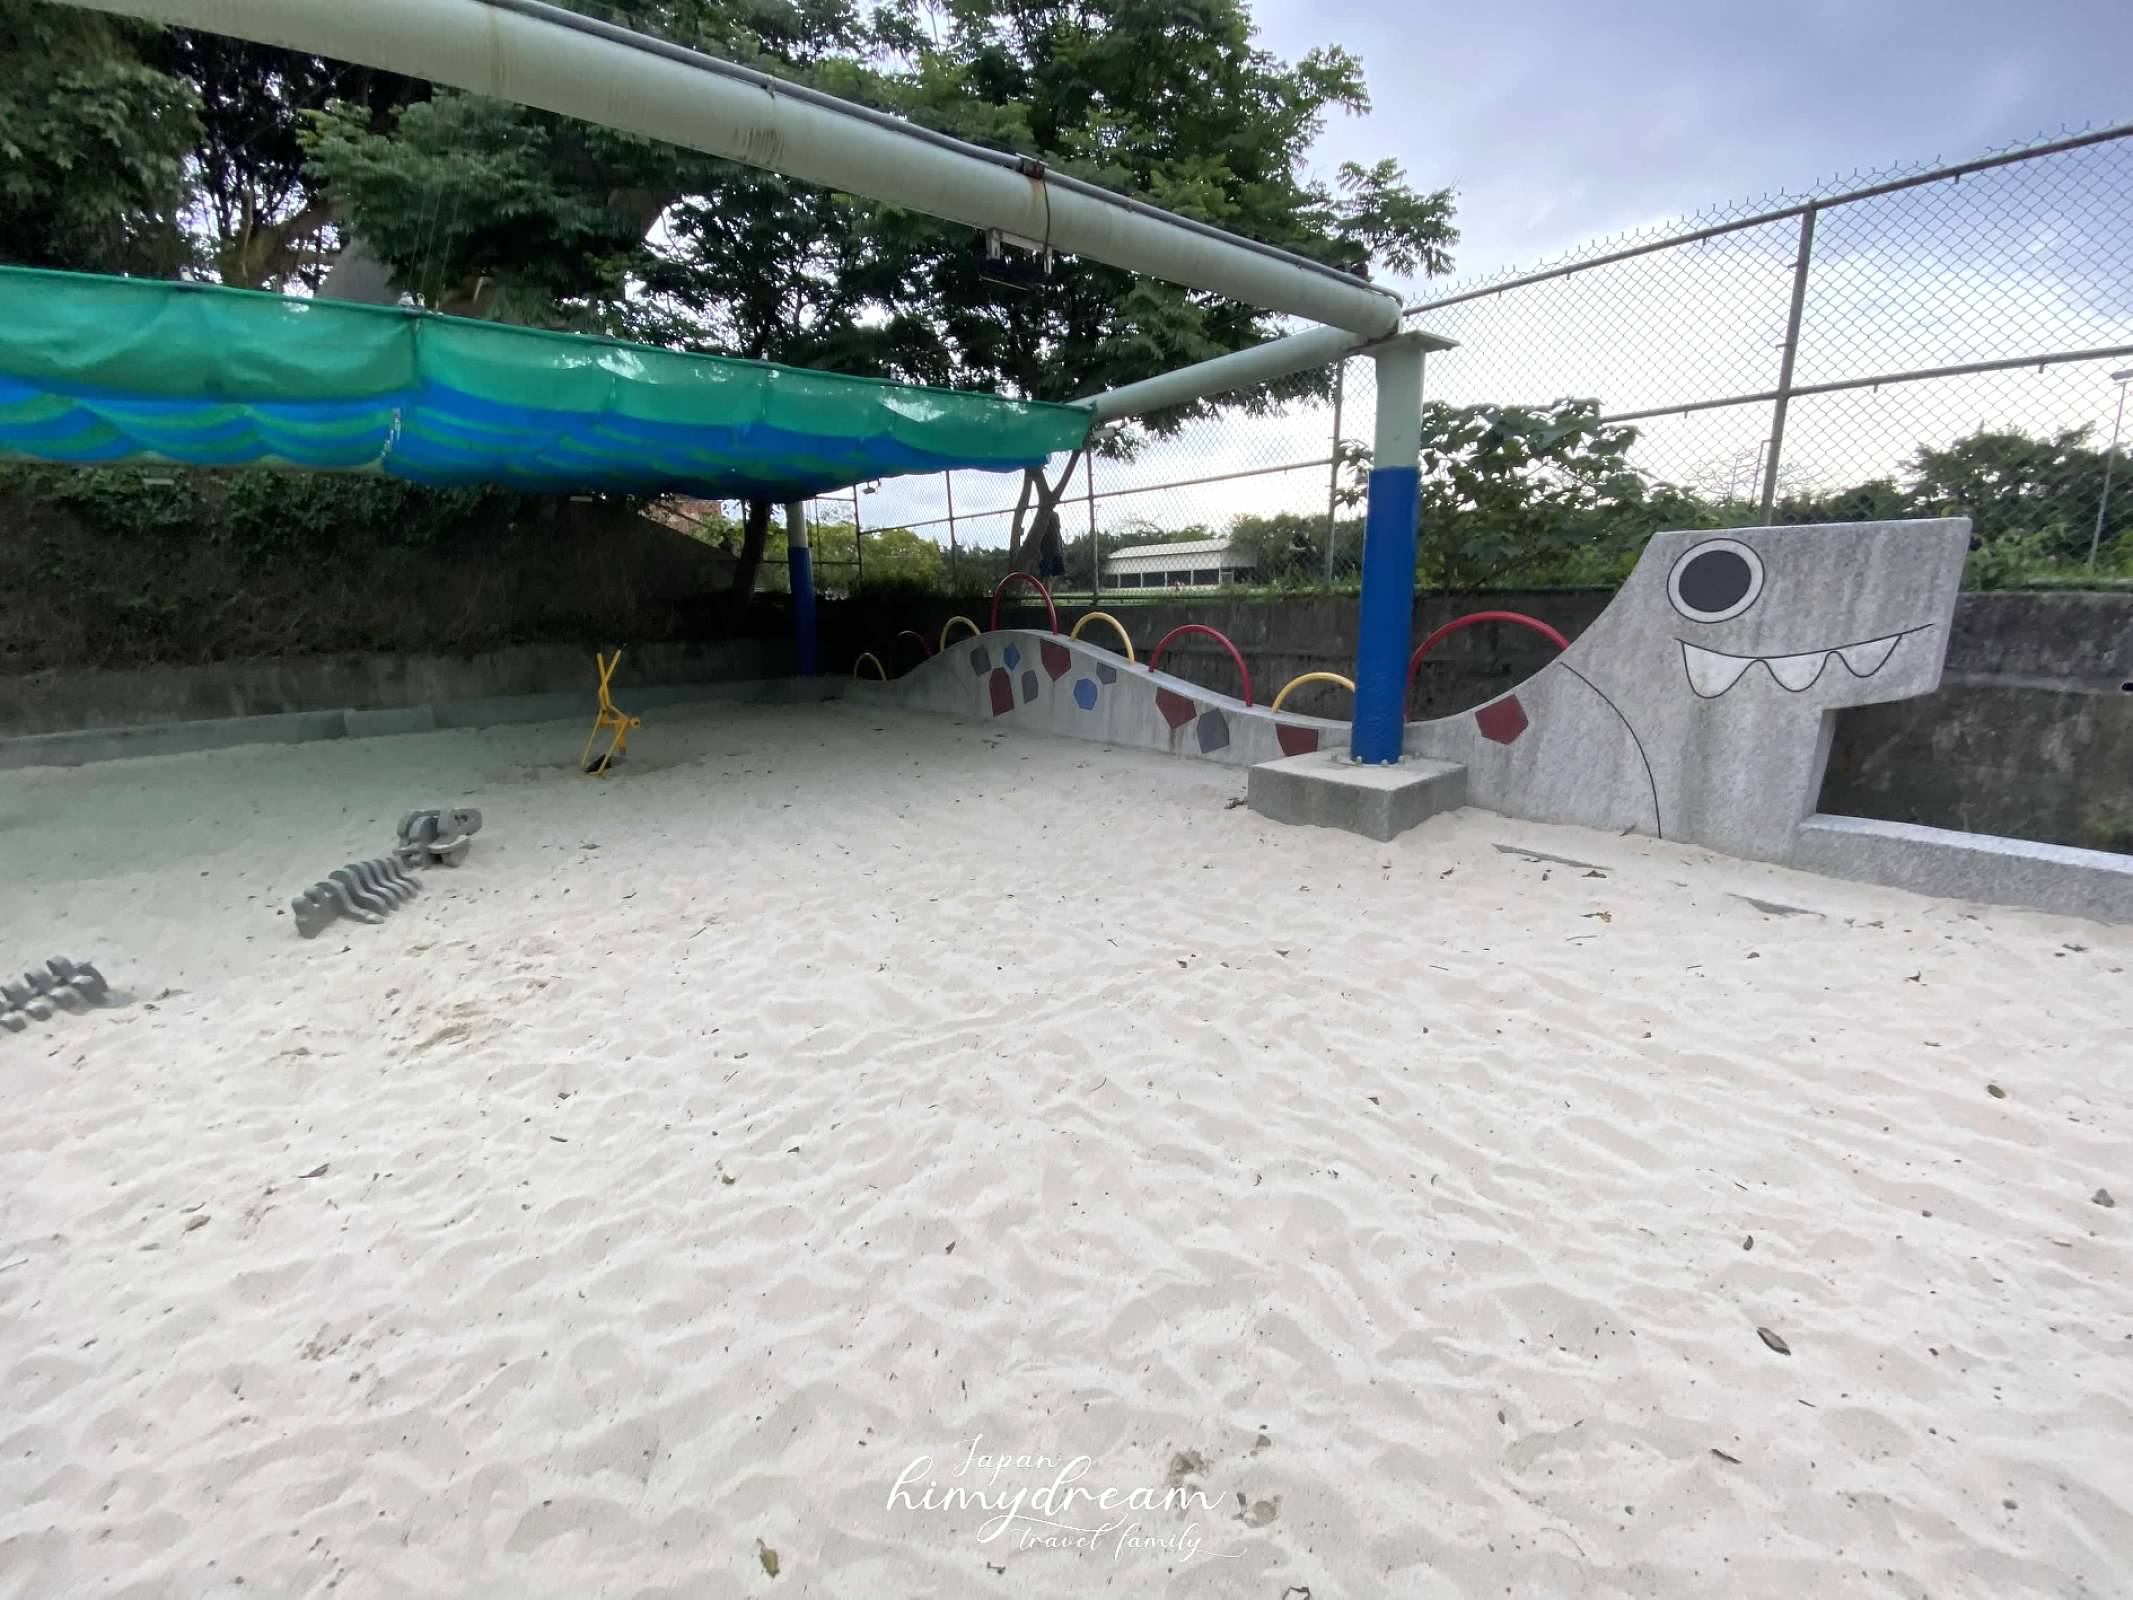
801,563
1386,626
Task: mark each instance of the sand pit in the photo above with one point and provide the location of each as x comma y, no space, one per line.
838,1110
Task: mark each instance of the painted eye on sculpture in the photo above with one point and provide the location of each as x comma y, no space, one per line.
1716,581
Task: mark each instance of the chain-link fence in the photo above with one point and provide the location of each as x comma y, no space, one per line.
1949,340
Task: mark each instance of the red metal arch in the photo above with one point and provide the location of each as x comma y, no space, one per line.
1244,673
1468,621
1050,610
925,646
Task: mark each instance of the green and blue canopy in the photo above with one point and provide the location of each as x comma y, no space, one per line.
97,371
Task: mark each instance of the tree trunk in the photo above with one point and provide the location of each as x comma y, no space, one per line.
1022,552
1030,475
358,275
755,534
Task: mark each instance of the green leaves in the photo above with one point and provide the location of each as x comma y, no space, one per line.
96,144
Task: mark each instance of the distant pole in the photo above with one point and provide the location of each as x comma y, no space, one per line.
948,479
858,540
859,543
1333,475
1096,553
801,566
2110,460
1801,262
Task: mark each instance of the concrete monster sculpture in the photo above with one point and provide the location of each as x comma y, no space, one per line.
1697,705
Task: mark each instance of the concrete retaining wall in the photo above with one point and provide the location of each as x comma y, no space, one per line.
65,702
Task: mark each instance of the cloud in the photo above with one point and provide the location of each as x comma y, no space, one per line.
1562,123
1559,121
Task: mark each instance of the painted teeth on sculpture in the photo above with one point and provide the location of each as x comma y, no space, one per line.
1864,660
72,985
1712,672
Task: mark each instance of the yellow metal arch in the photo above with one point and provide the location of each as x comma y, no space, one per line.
975,631
1104,616
1311,677
868,655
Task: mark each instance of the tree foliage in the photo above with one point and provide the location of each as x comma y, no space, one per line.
1171,100
2010,483
94,144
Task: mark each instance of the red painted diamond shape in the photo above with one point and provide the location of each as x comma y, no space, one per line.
1176,709
1056,658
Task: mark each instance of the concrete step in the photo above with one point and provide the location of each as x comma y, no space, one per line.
1325,789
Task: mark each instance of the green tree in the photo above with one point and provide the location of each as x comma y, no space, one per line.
1511,491
483,208
94,141
1876,500
268,219
1283,547
2012,485
1170,100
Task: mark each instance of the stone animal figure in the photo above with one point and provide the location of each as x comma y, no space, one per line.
1698,705
437,838
72,985
363,891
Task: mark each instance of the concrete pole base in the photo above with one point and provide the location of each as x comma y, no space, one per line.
1328,790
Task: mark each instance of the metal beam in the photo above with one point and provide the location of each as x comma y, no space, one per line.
1241,369
540,55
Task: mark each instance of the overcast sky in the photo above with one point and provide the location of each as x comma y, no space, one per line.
1557,121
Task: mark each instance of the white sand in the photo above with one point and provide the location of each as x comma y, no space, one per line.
881,1083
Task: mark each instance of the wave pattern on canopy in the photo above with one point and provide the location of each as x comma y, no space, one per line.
97,370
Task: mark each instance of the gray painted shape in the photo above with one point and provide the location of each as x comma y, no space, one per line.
1714,728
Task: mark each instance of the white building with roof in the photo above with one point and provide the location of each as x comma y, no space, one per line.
1195,564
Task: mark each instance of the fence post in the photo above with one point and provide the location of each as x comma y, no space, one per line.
2110,460
1800,264
1333,475
948,481
1096,549
859,539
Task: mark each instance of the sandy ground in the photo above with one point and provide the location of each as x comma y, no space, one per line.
835,1111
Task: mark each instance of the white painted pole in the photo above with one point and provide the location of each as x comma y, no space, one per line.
1241,369
540,55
